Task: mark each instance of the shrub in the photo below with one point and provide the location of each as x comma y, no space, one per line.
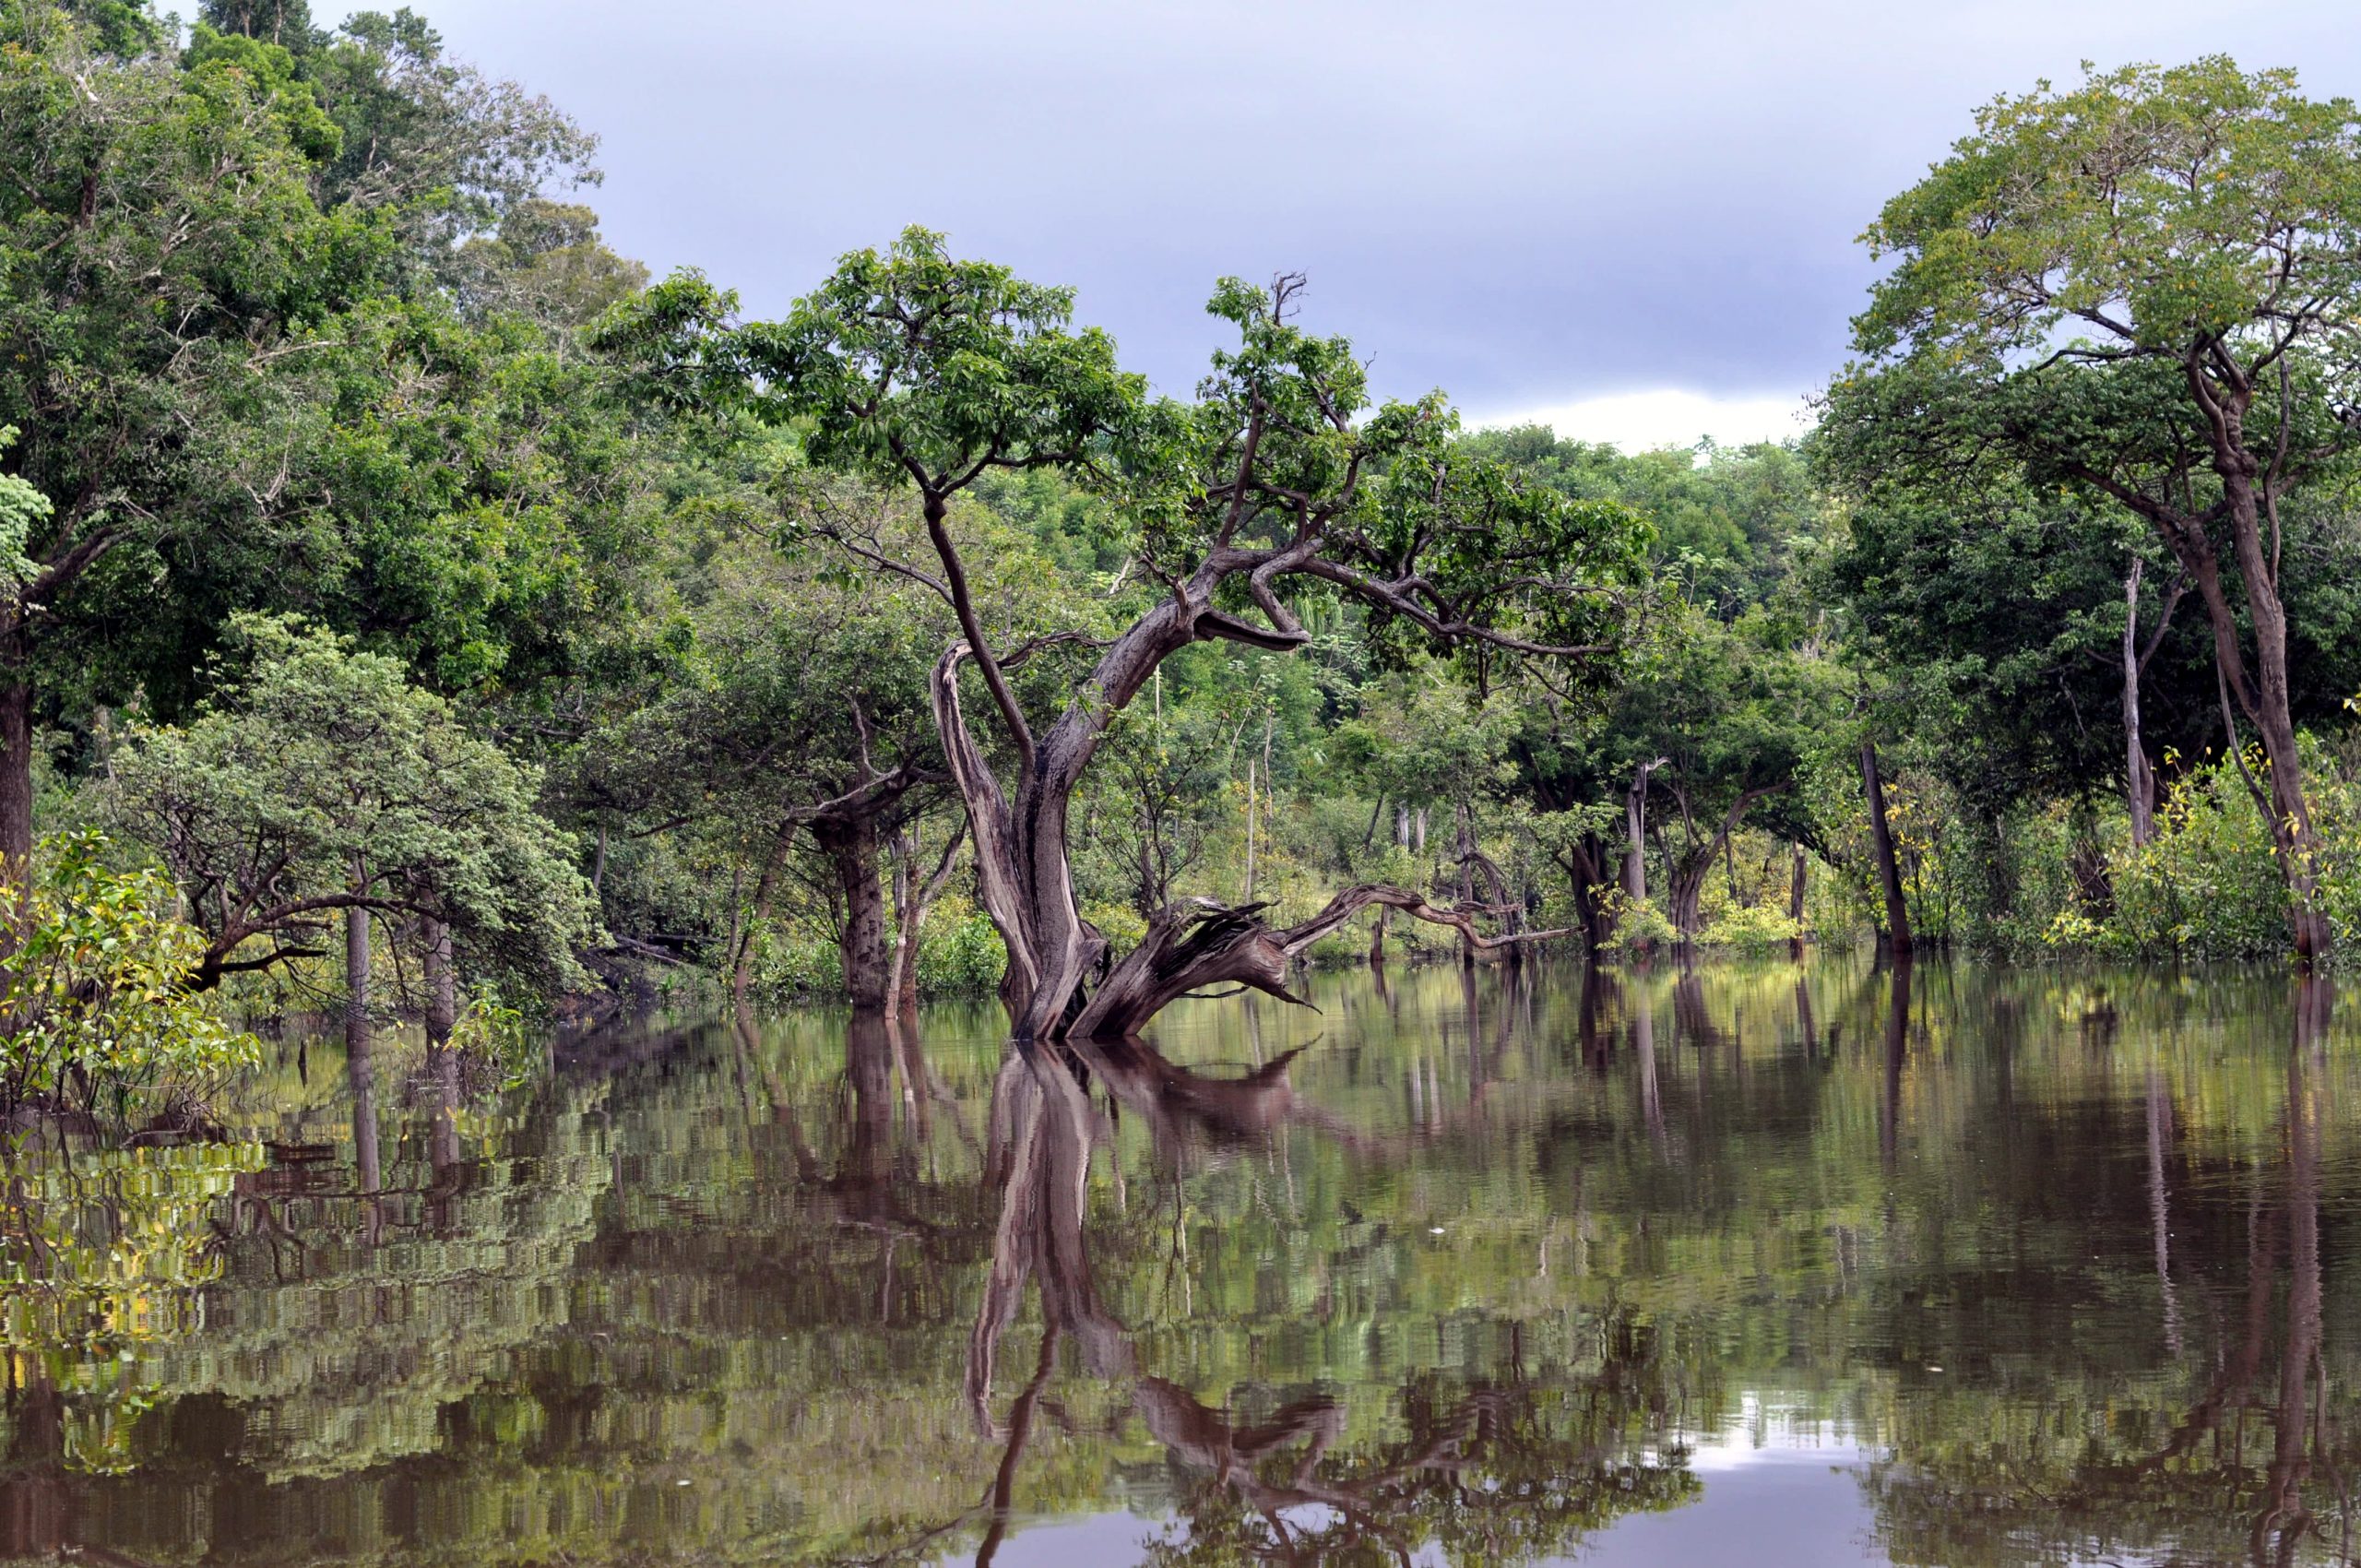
1749,926
100,1023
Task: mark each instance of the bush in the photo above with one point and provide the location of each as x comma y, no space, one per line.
1751,926
100,1022
959,955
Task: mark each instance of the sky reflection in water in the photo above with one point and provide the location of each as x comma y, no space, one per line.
1752,1263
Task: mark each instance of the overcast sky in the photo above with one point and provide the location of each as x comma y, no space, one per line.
1635,220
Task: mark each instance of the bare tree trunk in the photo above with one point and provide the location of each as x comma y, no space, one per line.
1795,899
1402,826
1897,912
1420,822
2139,779
1377,939
850,845
1635,825
442,984
356,964
360,1054
16,783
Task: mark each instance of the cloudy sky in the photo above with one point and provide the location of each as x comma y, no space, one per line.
1635,220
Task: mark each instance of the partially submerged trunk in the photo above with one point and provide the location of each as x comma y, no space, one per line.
850,845
1585,861
1688,870
745,924
356,966
1795,899
1897,911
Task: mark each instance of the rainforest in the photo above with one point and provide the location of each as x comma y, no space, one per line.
639,928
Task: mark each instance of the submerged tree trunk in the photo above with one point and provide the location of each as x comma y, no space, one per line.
1897,912
741,937
850,845
1796,897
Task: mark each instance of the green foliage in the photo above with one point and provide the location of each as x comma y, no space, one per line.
1750,927
2163,194
959,955
95,987
318,777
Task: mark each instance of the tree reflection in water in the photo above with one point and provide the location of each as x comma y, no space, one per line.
1493,1471
2067,1254
2232,1472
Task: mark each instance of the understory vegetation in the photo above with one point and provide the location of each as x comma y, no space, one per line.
408,606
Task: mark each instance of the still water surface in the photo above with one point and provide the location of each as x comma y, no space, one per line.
1748,1264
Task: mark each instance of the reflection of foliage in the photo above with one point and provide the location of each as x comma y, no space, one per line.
1492,1475
1444,1256
100,1021
103,1257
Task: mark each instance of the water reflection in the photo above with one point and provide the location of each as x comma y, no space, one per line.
1494,1469
1469,1267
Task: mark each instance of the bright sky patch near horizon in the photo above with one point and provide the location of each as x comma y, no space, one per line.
1634,222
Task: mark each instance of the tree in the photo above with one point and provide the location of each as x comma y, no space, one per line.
319,780
100,1024
925,374
158,252
2143,287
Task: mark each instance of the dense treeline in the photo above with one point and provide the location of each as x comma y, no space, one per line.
389,562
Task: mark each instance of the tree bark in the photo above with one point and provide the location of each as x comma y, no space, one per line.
356,965
16,784
1635,825
2266,698
442,982
913,895
1795,899
1897,911
1196,942
2139,779
850,845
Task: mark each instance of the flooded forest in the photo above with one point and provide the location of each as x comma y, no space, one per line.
812,913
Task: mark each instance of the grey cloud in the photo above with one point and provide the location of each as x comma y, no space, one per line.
1524,203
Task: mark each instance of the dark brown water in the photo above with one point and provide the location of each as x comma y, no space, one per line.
1757,1264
